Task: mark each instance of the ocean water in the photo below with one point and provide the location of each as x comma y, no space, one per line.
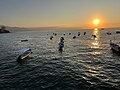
85,64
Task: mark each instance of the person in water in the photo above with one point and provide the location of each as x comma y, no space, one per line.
61,44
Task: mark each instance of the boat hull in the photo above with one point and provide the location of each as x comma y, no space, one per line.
24,56
115,48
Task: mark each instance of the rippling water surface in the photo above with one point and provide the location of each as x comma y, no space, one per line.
86,63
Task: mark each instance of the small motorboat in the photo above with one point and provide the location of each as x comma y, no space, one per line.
117,32
25,40
102,28
69,33
24,54
74,37
108,33
115,47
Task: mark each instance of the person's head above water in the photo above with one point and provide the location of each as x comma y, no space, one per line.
62,38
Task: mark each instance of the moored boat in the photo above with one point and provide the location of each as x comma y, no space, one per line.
102,28
117,32
108,33
24,53
115,47
24,40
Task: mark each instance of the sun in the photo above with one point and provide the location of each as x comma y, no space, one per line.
96,21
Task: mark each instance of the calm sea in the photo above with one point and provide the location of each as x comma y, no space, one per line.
86,63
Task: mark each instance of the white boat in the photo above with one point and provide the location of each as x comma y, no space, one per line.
24,53
115,47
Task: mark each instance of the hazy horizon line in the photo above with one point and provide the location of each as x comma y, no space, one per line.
57,27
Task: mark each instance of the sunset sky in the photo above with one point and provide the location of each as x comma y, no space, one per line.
64,13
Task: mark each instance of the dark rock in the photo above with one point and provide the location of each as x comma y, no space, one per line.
3,30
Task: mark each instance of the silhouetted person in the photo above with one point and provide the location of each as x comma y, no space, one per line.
78,33
61,44
84,33
94,36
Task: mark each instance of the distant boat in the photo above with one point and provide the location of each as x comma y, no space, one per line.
74,37
115,47
24,53
118,32
102,28
108,33
24,40
69,33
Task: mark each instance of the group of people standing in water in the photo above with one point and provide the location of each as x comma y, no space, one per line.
61,43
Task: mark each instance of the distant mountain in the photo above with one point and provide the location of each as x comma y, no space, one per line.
47,28
41,28
12,28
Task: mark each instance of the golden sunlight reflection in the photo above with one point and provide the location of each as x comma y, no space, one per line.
95,31
95,41
95,44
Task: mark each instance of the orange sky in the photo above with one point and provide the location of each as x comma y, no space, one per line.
63,13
